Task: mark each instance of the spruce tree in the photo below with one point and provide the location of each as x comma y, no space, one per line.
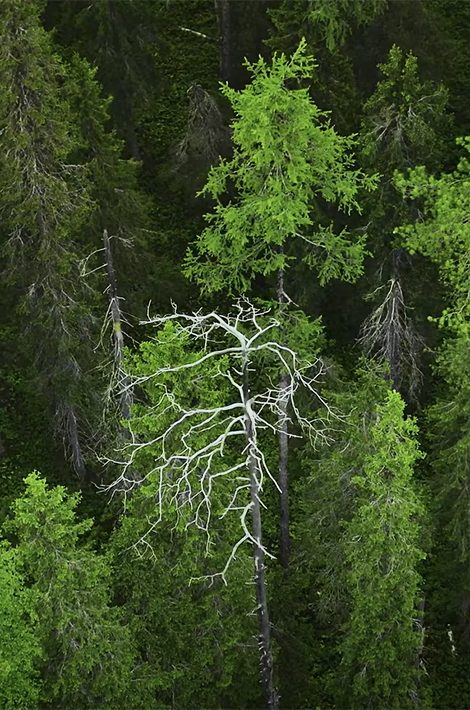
442,236
359,533
20,651
86,650
43,205
270,199
382,550
404,124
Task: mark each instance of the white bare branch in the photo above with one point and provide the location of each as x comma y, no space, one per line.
389,334
197,448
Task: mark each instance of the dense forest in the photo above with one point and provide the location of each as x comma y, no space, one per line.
235,354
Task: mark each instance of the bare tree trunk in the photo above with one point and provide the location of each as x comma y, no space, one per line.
222,8
419,653
264,629
118,337
283,453
396,343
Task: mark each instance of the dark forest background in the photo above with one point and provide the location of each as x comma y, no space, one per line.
112,116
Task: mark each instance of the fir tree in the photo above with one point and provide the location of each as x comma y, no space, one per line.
86,650
44,203
20,650
404,124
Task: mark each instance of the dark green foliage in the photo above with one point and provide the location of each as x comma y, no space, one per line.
405,120
112,118
324,22
44,203
209,658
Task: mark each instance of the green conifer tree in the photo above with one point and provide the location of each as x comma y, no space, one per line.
322,21
359,544
443,237
288,162
404,124
19,647
86,649
43,204
380,650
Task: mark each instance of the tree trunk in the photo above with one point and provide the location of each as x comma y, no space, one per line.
396,344
283,454
222,8
264,629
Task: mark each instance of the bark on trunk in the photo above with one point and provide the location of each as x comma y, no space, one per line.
395,345
283,455
284,483
264,629
222,8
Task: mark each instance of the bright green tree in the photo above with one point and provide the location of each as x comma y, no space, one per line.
442,233
382,642
359,543
20,651
443,237
288,161
87,654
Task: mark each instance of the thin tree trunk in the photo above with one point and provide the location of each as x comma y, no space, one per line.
118,336
421,630
283,453
264,629
222,8
396,345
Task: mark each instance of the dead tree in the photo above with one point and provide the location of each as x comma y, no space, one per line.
118,334
389,335
187,470
283,453
206,138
